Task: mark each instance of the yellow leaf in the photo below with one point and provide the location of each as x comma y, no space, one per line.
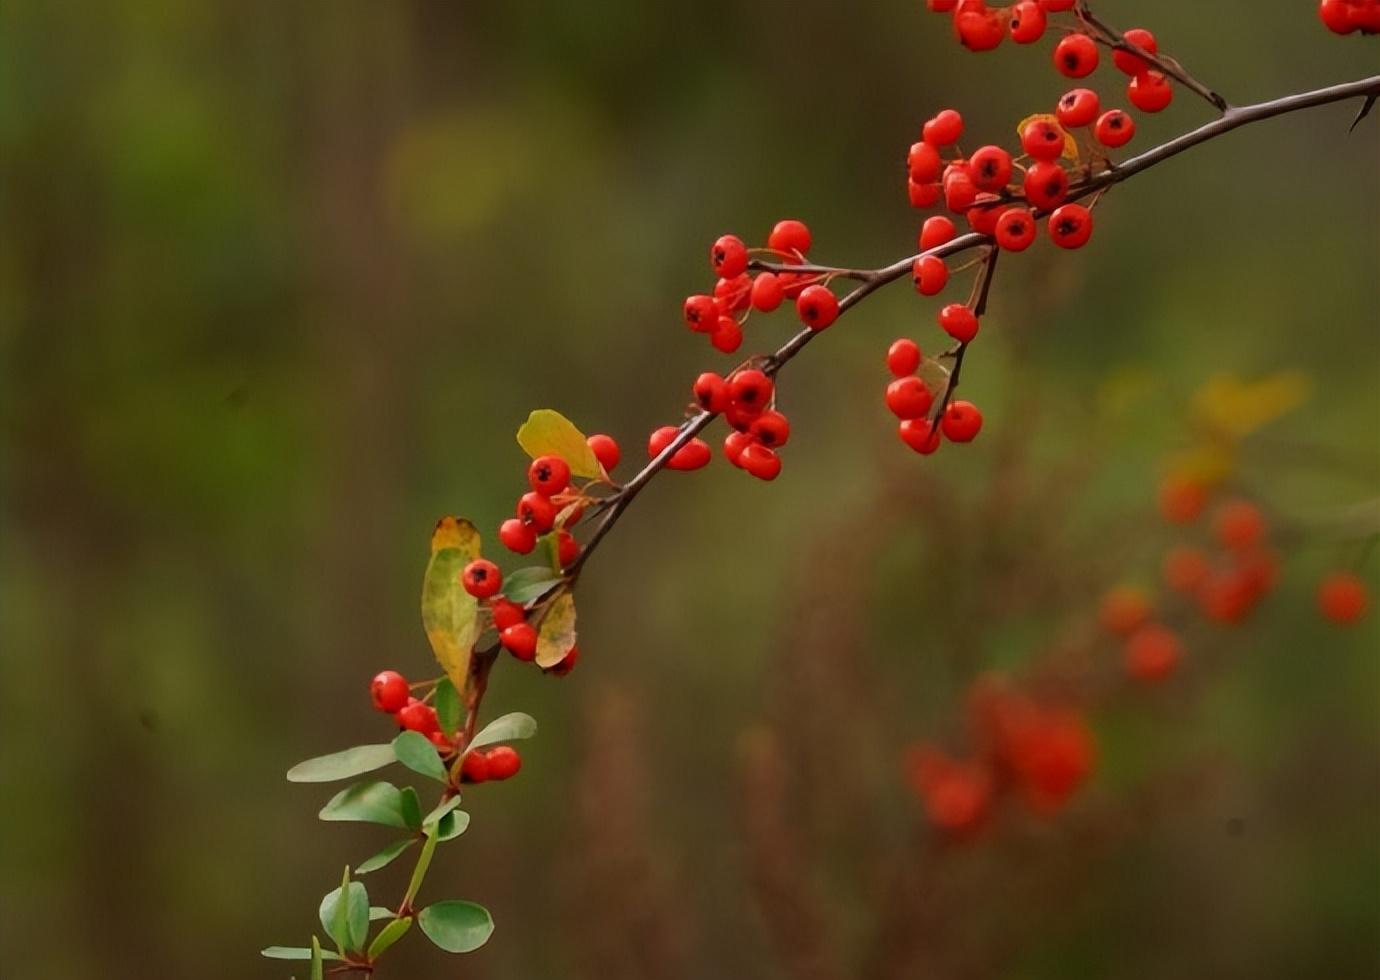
1208,464
549,433
449,613
557,633
1070,144
1235,408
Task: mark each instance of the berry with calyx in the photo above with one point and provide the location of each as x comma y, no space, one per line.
1134,64
481,578
711,392
1150,92
772,429
931,275
1078,108
536,511
729,256
1076,56
517,536
1043,139
416,716
1114,128
751,388
1070,226
701,313
1028,22
817,307
548,475
1016,229
1046,184
990,168
790,237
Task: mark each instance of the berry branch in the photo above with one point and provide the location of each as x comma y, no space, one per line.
472,613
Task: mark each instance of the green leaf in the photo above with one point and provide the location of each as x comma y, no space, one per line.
441,809
368,803
411,808
557,633
294,953
386,856
389,935
452,825
377,912
528,584
342,765
456,927
448,708
549,433
415,751
505,728
449,613
346,922
317,955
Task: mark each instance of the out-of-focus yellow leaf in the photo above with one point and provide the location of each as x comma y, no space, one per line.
549,433
557,633
1235,408
449,613
1208,464
1070,144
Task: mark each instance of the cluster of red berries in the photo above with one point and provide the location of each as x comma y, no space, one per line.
1348,16
392,695
909,398
737,293
746,399
550,506
482,579
1038,752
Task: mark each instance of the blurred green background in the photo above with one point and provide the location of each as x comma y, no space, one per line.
278,282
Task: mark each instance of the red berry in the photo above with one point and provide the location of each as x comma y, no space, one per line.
908,398
1152,653
728,256
979,30
1076,56
548,475
1027,22
1181,499
701,313
1150,92
940,6
567,549
1070,226
959,322
920,435
817,307
1077,108
923,164
943,128
517,536
1343,598
418,717
903,357
766,292
959,190
691,456
566,664
536,511
605,450
474,768
985,213
1046,185
735,443
520,640
761,462
1227,596
1043,139
481,578
1114,128
931,274
388,690
504,762
936,231
790,237
1134,64
727,335
962,422
443,745
1184,568
990,167
1336,14
507,613
1239,524
1056,6
1016,229
1365,14
771,429
921,195
734,294
750,388
711,392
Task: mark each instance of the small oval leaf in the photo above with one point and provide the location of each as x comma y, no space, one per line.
505,728
389,935
549,433
415,751
557,633
342,765
450,615
529,584
386,856
456,927
294,953
379,802
448,707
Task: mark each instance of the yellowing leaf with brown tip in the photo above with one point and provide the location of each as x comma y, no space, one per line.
557,633
1070,144
549,433
1235,408
450,615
